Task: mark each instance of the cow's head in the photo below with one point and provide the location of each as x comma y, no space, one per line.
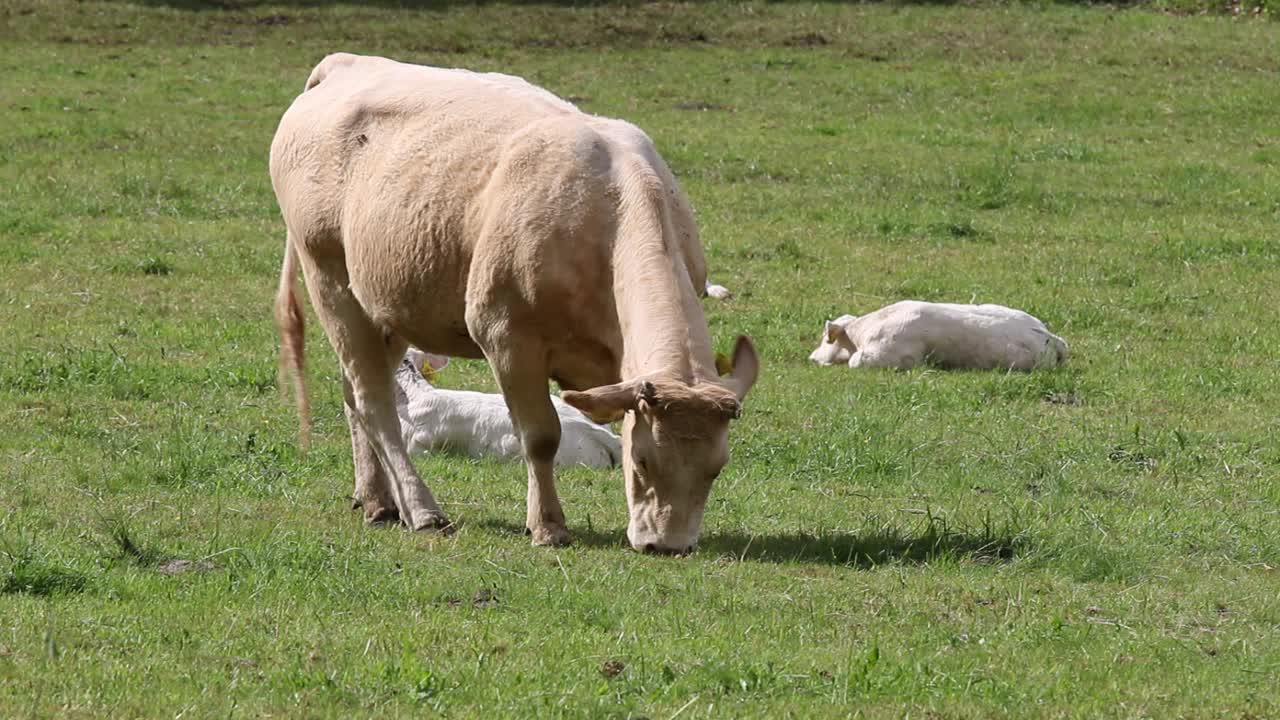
675,441
834,347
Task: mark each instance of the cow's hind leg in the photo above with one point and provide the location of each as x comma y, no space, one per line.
367,366
373,492
524,386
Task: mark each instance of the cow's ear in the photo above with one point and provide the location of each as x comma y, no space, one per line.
746,367
608,403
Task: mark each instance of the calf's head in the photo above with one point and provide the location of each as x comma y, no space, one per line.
834,347
675,441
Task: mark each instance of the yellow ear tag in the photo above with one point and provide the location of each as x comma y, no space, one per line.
724,365
428,372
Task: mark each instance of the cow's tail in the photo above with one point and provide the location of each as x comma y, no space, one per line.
292,326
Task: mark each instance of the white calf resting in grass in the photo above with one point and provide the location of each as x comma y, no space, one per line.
478,424
908,333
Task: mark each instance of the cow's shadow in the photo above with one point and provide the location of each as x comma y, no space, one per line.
864,549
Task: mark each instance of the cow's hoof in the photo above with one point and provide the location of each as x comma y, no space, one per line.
550,536
433,522
380,515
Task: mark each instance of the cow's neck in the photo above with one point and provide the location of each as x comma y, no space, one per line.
663,328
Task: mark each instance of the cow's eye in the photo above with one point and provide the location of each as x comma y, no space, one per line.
642,466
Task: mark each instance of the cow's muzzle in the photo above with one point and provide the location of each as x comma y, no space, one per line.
652,549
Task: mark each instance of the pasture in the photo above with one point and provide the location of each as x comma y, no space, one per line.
1099,540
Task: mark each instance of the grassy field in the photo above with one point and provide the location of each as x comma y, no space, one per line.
1100,540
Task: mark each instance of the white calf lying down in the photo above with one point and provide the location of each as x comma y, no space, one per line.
911,332
478,424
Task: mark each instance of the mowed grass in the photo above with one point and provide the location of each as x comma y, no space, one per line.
1100,540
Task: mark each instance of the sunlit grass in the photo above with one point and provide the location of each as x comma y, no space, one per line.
1097,540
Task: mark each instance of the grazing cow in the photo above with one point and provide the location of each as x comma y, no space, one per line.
476,215
907,333
478,424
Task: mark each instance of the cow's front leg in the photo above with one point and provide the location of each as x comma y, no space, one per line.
536,422
544,518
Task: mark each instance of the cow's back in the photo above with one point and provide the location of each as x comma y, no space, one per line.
369,127
442,192
385,165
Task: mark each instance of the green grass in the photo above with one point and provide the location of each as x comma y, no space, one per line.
1100,540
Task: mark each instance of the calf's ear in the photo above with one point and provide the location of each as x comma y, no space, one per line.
833,331
425,362
839,328
608,403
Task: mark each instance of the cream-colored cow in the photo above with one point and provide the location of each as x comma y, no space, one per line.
476,215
